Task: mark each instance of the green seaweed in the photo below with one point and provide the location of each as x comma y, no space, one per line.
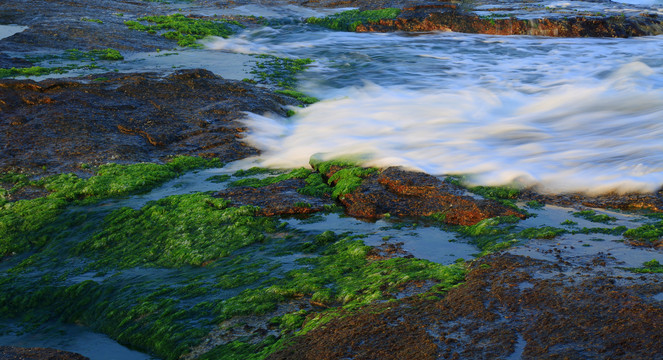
617,230
299,96
349,20
535,204
347,176
281,72
21,221
301,173
92,55
646,233
92,20
648,267
71,55
592,216
217,179
33,71
543,232
175,231
184,29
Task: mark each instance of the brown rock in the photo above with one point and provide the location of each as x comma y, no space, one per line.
281,198
492,312
405,193
19,353
127,118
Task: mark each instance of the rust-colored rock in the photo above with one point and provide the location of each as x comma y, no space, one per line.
448,17
281,198
406,193
59,124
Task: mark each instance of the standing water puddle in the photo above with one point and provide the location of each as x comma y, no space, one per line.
429,243
76,339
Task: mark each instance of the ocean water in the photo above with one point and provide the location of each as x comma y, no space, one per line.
562,114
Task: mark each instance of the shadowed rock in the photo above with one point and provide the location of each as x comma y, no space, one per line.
61,123
19,353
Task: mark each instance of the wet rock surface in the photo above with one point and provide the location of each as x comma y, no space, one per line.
651,201
405,193
509,306
281,198
19,353
59,25
60,124
450,18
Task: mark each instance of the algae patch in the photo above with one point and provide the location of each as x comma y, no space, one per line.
22,222
351,19
187,31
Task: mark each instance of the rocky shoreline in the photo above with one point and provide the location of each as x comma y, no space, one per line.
332,296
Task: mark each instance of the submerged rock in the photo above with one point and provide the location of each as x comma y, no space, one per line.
59,124
406,193
281,198
19,353
651,201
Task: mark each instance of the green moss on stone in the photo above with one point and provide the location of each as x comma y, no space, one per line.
646,233
184,29
21,221
281,73
175,231
299,96
592,216
349,20
648,267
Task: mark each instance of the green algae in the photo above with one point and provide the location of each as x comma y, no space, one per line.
92,20
91,56
280,72
543,232
535,204
499,233
646,233
176,231
187,31
301,173
592,216
218,179
347,177
232,276
648,267
349,20
308,100
21,221
34,71
617,230
255,171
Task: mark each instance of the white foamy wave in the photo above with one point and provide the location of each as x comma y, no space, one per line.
589,137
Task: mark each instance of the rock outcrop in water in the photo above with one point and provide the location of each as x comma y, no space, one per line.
405,193
60,124
281,198
19,353
449,17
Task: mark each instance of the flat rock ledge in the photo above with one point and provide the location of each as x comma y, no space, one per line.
58,124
